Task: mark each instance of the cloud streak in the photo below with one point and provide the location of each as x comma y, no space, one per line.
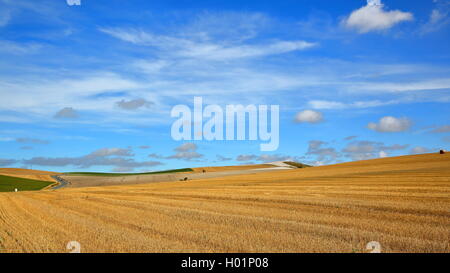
116,157
190,48
31,140
7,162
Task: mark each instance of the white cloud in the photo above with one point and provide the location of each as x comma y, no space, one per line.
266,158
436,16
218,52
27,94
151,67
66,112
246,157
186,151
31,140
309,116
323,154
223,158
372,3
134,104
192,48
111,152
116,157
442,129
19,48
164,74
7,162
6,139
375,18
439,18
362,150
431,84
73,2
419,150
122,170
186,147
185,156
390,124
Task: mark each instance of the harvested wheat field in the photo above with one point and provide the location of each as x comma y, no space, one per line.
28,174
402,202
77,181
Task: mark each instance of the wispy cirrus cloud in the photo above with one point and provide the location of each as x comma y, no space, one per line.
190,48
324,104
19,48
79,90
5,16
31,140
442,129
438,19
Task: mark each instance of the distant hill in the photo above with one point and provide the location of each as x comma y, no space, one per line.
126,174
10,183
296,164
28,174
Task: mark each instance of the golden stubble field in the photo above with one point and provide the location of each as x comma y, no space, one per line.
403,203
28,174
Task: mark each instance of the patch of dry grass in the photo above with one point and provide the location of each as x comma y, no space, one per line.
403,203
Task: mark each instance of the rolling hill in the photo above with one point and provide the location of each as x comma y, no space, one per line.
401,202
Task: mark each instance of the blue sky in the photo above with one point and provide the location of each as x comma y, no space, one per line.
91,86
